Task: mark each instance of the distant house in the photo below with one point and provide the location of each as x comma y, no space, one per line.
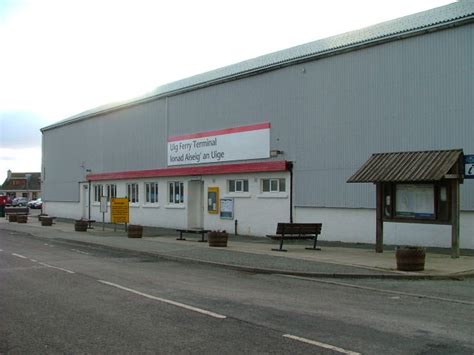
22,185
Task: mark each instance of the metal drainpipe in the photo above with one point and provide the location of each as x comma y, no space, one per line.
290,168
89,202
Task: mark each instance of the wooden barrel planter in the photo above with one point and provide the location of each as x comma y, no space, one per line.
80,225
12,217
135,231
41,216
217,238
410,258
22,218
46,221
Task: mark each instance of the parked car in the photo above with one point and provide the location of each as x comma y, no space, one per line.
35,203
20,201
38,204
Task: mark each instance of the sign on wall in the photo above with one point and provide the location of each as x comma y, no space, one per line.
239,143
469,166
227,208
119,210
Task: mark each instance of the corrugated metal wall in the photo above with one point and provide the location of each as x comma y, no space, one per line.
129,139
328,116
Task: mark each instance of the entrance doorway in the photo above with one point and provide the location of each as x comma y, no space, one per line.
195,204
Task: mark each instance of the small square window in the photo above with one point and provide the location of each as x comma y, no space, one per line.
273,185
241,185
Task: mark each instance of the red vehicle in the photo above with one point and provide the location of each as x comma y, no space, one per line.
4,200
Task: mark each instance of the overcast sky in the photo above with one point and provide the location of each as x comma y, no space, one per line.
62,57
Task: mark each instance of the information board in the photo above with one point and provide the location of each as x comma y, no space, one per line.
469,166
227,208
119,211
415,201
213,200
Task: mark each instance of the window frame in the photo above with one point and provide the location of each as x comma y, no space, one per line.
172,185
111,191
133,189
149,187
280,184
244,183
98,192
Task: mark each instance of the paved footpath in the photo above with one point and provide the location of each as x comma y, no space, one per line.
251,253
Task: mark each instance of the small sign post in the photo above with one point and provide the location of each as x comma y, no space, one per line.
103,209
469,166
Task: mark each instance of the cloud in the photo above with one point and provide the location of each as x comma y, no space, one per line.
20,129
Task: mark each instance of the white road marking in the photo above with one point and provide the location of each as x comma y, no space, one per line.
321,345
19,256
1,249
80,252
177,304
59,268
33,260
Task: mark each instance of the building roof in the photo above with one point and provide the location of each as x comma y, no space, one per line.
435,19
17,182
408,166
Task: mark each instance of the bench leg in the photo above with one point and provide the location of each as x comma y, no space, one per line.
180,236
202,238
314,245
281,246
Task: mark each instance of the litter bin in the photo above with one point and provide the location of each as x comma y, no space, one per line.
2,210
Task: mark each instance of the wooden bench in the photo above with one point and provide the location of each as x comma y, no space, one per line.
201,231
297,231
16,210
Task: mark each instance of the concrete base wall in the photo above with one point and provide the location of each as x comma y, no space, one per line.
358,225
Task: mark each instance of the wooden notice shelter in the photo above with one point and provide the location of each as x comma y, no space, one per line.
415,187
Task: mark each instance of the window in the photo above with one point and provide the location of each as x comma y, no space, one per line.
151,192
132,193
111,191
273,185
98,190
176,192
238,185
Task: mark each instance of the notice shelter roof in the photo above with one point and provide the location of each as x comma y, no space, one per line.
421,166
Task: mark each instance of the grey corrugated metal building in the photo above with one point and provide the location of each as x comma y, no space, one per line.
402,85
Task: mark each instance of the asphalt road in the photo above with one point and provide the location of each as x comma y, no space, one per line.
59,297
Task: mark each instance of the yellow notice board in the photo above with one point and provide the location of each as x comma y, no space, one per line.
119,212
213,200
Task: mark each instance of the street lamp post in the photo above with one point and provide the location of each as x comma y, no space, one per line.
28,177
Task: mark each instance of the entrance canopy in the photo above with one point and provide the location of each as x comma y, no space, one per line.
420,167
